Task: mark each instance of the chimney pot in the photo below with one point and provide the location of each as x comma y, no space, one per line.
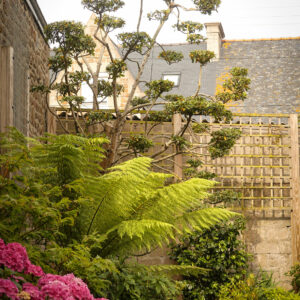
214,34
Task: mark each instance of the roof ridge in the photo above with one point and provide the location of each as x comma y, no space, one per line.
262,39
175,44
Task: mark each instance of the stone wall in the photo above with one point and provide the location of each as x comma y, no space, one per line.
274,69
19,29
269,241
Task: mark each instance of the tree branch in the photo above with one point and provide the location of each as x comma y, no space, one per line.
145,60
140,16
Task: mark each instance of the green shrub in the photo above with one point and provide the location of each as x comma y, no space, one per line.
254,288
295,273
218,249
74,217
133,281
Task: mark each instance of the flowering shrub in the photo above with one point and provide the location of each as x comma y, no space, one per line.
14,257
56,287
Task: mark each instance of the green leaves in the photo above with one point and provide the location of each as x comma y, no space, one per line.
101,6
192,30
198,105
135,42
139,143
206,7
159,15
156,88
106,89
116,69
235,88
171,56
201,56
217,249
222,141
71,40
110,23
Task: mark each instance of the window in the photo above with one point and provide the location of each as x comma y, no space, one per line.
174,77
87,93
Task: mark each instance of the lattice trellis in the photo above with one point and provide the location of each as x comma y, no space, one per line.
259,165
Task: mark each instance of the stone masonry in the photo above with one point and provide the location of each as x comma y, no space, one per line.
20,28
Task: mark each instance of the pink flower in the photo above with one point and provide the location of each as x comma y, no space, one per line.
56,290
33,291
34,270
14,256
78,288
69,285
8,288
48,278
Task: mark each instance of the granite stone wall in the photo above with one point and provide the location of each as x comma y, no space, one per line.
269,241
274,68
18,29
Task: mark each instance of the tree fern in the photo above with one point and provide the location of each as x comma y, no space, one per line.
132,208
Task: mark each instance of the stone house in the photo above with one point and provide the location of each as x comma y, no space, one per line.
91,63
23,63
273,65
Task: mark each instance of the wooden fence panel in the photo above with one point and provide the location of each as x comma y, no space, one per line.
259,165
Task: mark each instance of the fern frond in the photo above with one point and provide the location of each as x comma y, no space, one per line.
115,194
133,209
176,270
173,200
71,156
203,218
139,234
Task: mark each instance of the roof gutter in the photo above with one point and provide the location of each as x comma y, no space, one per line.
37,14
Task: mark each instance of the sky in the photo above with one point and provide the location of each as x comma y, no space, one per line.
241,19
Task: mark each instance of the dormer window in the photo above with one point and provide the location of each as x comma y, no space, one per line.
174,77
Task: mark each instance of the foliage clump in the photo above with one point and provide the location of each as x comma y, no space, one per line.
217,249
295,274
255,287
74,217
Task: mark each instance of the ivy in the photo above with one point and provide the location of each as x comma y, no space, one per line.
219,250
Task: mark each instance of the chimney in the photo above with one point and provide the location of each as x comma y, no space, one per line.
214,34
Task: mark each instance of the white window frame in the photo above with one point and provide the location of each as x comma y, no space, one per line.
167,74
87,93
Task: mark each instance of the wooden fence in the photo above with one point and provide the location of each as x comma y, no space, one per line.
263,166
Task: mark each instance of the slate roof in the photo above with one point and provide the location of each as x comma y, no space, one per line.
273,66
189,72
